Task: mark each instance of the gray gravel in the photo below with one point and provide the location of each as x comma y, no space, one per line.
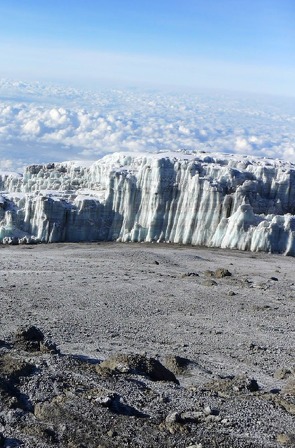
229,340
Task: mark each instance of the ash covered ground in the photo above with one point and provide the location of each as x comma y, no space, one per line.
141,345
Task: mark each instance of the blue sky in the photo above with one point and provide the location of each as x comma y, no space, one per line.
232,44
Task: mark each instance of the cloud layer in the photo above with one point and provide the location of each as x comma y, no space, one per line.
43,123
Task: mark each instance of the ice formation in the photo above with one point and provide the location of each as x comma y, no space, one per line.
216,200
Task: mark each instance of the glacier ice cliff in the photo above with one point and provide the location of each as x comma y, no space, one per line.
210,199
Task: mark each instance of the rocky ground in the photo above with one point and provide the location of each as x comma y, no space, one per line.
132,345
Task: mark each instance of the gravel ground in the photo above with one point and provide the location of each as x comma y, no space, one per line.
221,321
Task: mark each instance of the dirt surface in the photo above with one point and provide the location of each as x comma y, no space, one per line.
198,347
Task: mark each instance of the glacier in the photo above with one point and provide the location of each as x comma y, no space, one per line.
196,198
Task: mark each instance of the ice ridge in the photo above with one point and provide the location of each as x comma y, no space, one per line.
216,200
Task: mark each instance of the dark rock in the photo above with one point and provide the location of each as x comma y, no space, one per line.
61,169
239,383
256,348
176,364
275,390
29,338
209,283
138,365
31,333
34,169
14,368
50,410
119,406
48,346
246,383
50,435
191,274
208,410
184,417
112,433
191,417
282,373
221,273
172,418
11,370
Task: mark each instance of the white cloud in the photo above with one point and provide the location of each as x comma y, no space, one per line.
243,145
42,123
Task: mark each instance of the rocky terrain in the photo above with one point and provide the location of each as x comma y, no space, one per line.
146,345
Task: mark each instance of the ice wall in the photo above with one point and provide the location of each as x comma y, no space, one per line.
201,199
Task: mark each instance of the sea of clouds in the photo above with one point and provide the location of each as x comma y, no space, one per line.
41,123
